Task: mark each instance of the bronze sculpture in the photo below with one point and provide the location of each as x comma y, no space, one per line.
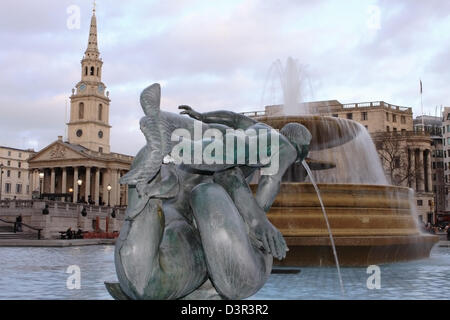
195,230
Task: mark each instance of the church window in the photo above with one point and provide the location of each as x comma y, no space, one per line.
92,71
100,111
79,133
85,71
98,70
81,110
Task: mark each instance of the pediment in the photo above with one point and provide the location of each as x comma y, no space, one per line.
57,151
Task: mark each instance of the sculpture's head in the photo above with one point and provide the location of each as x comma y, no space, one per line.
299,137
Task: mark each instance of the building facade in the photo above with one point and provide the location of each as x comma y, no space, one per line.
15,179
83,169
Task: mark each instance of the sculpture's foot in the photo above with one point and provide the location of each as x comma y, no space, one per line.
205,292
115,291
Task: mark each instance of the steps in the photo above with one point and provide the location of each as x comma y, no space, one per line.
18,235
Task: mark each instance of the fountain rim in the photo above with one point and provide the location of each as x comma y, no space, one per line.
365,186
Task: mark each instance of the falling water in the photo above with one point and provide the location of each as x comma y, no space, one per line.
327,223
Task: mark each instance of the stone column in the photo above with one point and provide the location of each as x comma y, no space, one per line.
97,186
422,177
429,175
118,188
75,184
52,181
87,187
64,180
412,164
113,183
106,181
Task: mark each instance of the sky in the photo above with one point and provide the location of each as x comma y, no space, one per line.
215,55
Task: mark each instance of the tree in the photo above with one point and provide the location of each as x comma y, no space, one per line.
396,158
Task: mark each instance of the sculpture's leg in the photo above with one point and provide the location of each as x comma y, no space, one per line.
157,259
236,268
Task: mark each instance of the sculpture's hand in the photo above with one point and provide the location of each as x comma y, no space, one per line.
272,239
191,112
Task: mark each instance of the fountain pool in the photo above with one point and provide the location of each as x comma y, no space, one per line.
40,273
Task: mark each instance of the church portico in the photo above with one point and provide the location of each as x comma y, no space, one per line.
94,181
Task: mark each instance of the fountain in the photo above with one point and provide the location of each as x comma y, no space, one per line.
372,222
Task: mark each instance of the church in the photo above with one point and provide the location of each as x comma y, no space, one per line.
83,168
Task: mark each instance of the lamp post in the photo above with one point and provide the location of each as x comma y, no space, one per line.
109,192
79,182
41,180
1,180
71,192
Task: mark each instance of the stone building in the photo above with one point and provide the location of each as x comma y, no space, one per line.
433,127
391,127
15,179
83,169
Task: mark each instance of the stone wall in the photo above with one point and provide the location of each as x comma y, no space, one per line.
62,215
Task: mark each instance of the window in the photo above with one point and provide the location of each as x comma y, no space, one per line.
9,162
19,174
448,116
387,116
9,153
100,111
397,162
403,119
92,71
394,118
387,129
98,71
85,71
419,203
364,116
81,111
18,188
20,154
8,173
7,187
434,175
395,129
28,189
335,115
403,130
350,116
20,164
100,149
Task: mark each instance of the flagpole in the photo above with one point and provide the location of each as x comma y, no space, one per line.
421,104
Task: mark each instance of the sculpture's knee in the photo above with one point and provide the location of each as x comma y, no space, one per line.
203,196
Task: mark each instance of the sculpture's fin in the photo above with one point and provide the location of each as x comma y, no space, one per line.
151,99
115,291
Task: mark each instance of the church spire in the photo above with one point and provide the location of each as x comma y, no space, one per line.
92,49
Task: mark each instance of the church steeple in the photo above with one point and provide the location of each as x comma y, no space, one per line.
89,107
92,48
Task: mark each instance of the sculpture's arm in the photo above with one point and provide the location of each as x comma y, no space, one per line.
262,232
228,118
269,185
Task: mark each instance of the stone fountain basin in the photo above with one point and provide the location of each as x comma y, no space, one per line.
371,224
327,132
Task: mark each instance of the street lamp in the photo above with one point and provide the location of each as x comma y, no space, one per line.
41,180
1,179
109,192
79,182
